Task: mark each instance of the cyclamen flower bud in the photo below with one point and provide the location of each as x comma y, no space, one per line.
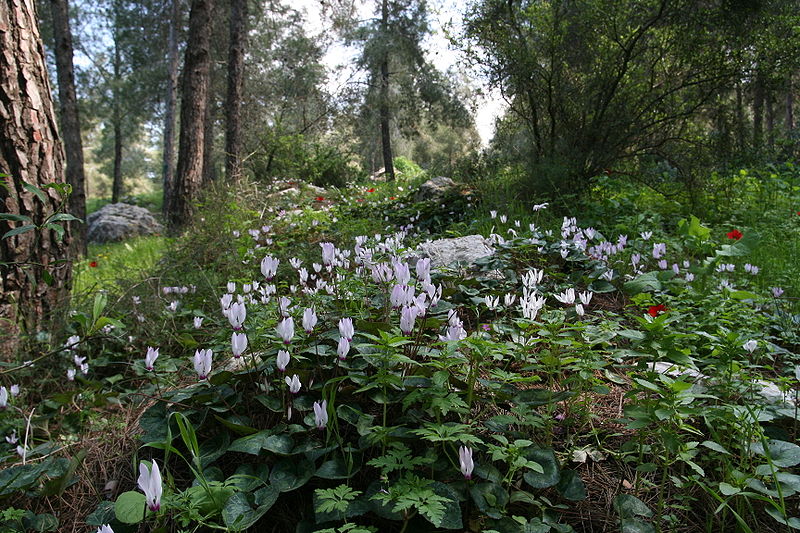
465,461
321,414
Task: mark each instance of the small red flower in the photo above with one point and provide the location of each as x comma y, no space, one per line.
319,199
393,198
359,199
654,310
371,189
93,264
735,234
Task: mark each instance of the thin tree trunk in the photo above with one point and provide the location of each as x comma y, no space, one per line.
32,288
758,113
789,106
770,121
740,127
197,62
236,49
116,184
168,169
386,140
70,122
209,174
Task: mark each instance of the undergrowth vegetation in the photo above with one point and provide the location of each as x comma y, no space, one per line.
295,363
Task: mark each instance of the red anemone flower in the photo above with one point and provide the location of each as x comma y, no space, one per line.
392,198
359,199
372,189
319,199
93,264
654,310
735,234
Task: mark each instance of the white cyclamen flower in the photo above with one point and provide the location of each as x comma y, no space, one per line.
293,383
238,344
282,360
202,363
321,414
150,483
150,357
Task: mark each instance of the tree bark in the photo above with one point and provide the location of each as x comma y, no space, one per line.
209,174
70,121
789,105
197,62
758,113
233,103
385,117
171,101
116,184
770,120
31,154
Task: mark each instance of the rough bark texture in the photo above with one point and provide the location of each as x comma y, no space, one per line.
770,121
168,169
386,140
758,112
209,173
70,122
233,103
31,154
789,106
189,175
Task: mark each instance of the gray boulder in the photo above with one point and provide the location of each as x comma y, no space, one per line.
435,189
117,222
467,249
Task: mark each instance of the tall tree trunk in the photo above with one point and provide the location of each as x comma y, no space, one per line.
758,113
168,170
789,105
197,62
770,120
31,287
70,122
209,174
386,140
233,103
740,127
116,184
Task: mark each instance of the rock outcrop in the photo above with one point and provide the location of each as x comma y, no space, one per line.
117,222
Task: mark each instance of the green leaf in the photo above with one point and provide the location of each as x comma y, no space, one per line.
18,231
634,525
550,475
489,498
647,282
728,490
783,454
242,510
792,522
63,217
41,522
14,217
571,486
711,445
291,474
628,506
36,191
252,444
335,469
129,507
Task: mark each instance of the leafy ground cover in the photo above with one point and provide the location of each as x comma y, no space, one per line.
290,365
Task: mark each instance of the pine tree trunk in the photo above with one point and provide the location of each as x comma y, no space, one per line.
740,127
197,62
209,174
31,154
233,130
168,169
116,184
70,122
770,121
789,106
758,113
386,140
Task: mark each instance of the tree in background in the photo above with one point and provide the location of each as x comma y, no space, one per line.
70,121
171,101
194,100
402,86
601,85
237,43
32,280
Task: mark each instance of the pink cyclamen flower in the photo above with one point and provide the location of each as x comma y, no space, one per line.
237,314
150,483
465,461
269,266
197,322
407,317
104,529
150,358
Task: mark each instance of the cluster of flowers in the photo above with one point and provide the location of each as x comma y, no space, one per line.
71,347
